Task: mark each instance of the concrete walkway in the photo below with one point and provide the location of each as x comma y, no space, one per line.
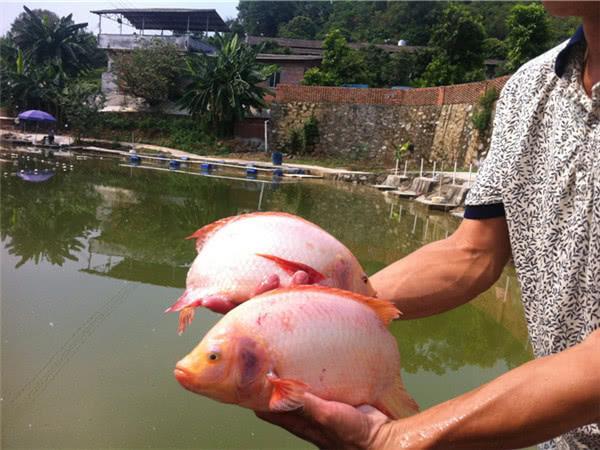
68,140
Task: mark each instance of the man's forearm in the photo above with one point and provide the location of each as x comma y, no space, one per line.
533,403
446,273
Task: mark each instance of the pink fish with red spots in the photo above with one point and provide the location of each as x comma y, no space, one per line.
242,256
266,353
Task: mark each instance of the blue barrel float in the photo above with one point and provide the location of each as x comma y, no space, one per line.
135,160
206,167
278,172
277,158
174,164
251,171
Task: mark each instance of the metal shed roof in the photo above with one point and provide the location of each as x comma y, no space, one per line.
178,20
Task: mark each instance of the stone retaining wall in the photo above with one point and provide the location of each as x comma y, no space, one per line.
370,123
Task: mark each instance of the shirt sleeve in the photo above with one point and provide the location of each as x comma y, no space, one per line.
484,200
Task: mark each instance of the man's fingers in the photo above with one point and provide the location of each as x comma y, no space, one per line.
296,424
317,409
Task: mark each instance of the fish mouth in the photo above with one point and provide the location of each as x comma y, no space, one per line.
183,376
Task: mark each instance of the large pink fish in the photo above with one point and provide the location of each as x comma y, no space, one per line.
242,256
267,352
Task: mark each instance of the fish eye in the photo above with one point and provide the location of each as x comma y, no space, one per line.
364,278
213,356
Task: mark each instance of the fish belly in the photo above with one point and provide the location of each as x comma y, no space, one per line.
339,348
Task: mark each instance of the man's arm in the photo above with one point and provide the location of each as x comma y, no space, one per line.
530,404
447,273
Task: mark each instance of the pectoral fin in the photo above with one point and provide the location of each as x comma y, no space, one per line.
291,267
287,394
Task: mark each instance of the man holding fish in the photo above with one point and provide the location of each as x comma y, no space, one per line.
537,197
305,344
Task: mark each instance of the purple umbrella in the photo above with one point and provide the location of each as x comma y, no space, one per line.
36,116
34,176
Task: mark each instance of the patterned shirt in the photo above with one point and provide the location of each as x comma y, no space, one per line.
543,173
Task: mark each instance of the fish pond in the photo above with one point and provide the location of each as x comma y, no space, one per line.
93,255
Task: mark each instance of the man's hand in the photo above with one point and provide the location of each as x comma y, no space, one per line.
333,425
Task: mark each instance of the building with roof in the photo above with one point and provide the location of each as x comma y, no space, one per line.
302,54
180,27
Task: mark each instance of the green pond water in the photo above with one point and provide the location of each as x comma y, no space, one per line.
91,258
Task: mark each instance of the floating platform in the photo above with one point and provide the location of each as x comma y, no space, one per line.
384,187
404,194
437,206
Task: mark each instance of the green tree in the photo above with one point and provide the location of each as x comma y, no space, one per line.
28,86
528,36
494,48
457,43
341,64
222,88
80,102
150,72
300,27
263,19
62,43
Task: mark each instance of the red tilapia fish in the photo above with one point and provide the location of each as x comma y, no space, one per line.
266,353
242,256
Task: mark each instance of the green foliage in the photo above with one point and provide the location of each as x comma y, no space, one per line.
494,48
48,40
262,19
528,36
310,132
402,150
341,64
179,132
40,56
221,89
295,144
561,29
482,115
457,43
80,102
150,72
300,27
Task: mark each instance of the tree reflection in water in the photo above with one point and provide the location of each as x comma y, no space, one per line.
47,221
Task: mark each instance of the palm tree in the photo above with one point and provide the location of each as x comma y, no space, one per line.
224,87
59,42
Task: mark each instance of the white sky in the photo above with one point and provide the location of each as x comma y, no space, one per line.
9,10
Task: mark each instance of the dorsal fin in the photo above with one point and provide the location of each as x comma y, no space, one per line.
203,234
385,310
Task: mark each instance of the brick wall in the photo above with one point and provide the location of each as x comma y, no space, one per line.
467,93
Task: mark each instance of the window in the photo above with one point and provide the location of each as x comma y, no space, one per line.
274,79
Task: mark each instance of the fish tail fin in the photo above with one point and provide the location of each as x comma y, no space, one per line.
396,402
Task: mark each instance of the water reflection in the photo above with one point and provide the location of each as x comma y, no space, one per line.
109,225
48,221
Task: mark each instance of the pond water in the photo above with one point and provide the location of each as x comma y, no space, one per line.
91,258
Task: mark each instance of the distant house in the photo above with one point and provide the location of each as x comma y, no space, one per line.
182,26
302,54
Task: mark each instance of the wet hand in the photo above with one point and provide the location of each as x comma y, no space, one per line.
333,425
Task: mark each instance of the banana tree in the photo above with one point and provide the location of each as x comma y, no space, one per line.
221,89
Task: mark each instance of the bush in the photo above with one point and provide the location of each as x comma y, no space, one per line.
183,133
311,133
483,112
296,142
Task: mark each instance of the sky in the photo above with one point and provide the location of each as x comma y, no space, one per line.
9,10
